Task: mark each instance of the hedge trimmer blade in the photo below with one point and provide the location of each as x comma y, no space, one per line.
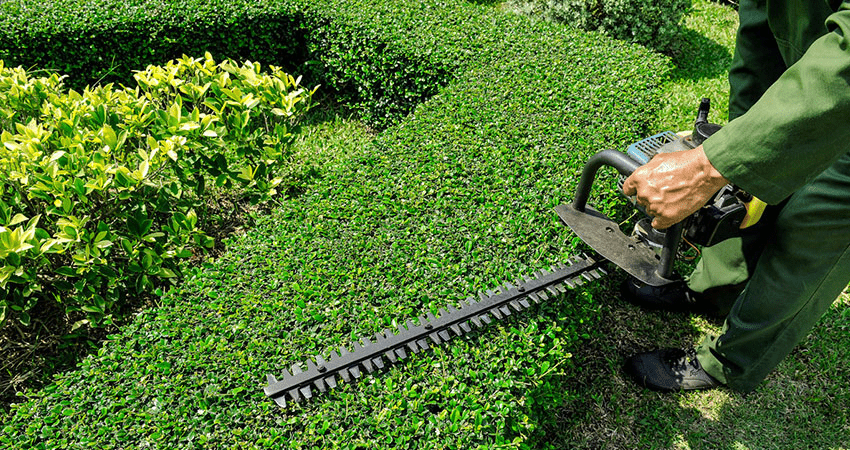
389,346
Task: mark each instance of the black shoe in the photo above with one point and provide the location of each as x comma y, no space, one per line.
670,369
676,297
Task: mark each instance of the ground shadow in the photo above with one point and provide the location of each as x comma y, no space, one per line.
804,403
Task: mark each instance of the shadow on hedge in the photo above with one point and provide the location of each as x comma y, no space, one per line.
696,57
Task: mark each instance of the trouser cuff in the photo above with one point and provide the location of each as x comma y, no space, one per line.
709,362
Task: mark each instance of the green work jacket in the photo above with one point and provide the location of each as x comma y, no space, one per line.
790,96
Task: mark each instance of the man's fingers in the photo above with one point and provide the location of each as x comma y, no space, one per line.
661,224
629,187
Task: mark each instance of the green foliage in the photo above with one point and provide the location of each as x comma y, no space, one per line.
450,200
100,189
98,41
654,23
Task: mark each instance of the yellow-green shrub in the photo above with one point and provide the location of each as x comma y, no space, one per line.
99,189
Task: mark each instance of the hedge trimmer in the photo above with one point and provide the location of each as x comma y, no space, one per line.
647,255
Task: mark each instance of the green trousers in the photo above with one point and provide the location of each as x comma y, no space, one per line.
793,269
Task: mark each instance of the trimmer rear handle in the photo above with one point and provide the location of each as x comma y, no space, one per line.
613,158
604,235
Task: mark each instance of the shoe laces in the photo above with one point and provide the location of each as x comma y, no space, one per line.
684,360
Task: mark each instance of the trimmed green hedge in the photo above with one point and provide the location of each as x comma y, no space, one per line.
104,41
455,198
654,23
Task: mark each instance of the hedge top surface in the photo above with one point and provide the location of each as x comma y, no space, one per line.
454,199
87,15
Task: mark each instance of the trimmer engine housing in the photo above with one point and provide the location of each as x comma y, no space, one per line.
648,254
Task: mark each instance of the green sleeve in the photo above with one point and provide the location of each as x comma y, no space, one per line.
798,128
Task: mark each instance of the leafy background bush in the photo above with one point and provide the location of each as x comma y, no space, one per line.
101,189
654,23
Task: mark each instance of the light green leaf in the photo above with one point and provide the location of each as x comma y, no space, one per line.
18,218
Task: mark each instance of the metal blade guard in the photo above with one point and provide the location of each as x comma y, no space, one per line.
604,235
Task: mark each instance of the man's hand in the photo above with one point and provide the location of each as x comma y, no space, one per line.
673,186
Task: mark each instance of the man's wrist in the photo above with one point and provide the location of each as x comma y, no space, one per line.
713,178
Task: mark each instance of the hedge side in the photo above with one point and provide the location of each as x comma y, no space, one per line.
455,198
104,41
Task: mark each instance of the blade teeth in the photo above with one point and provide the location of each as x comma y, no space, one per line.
490,293
345,375
311,366
435,338
331,381
293,393
391,356
535,297
320,385
445,335
366,342
561,288
471,301
486,319
306,392
378,362
508,287
401,353
368,366
423,344
355,372
270,379
476,321
296,369
456,329
524,303
496,313
552,291
465,327
281,401
515,305
505,310
413,347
